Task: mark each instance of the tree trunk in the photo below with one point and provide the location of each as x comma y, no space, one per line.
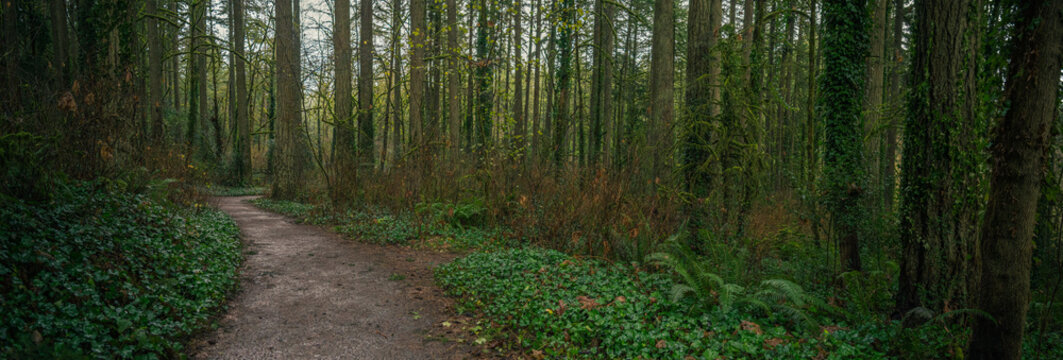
518,104
1019,143
201,71
844,56
243,114
889,165
154,71
396,74
192,126
875,87
288,164
601,79
564,80
61,37
939,202
345,162
454,78
536,128
662,98
418,32
702,26
483,78
365,86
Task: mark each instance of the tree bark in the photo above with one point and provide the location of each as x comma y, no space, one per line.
454,78
200,56
288,163
418,31
938,216
518,104
564,80
396,74
844,56
365,86
154,71
662,98
875,86
602,80
1020,142
243,119
61,37
345,163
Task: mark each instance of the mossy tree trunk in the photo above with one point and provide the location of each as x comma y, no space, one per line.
1018,153
841,103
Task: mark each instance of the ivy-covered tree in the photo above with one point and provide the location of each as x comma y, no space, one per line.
840,106
939,197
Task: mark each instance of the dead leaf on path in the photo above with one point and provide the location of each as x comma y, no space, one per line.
537,354
661,344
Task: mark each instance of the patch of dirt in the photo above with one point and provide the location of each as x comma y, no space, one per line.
309,293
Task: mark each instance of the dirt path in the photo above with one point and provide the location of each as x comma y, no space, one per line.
307,293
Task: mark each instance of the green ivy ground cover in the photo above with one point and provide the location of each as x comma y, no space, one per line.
100,273
572,308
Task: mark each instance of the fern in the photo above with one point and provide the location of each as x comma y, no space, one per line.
696,277
712,292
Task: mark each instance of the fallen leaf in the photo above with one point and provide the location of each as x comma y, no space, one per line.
587,303
661,344
773,342
752,326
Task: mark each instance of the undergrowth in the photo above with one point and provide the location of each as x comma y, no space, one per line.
97,271
563,306
434,226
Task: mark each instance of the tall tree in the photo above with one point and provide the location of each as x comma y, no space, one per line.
288,165
662,97
1019,143
876,65
453,77
889,164
703,24
565,25
365,85
601,78
61,38
396,75
194,33
484,79
518,105
154,71
345,161
939,208
418,31
242,116
841,100
200,56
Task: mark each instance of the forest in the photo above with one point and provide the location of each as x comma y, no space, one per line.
617,179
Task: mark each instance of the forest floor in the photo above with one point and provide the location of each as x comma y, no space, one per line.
308,293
